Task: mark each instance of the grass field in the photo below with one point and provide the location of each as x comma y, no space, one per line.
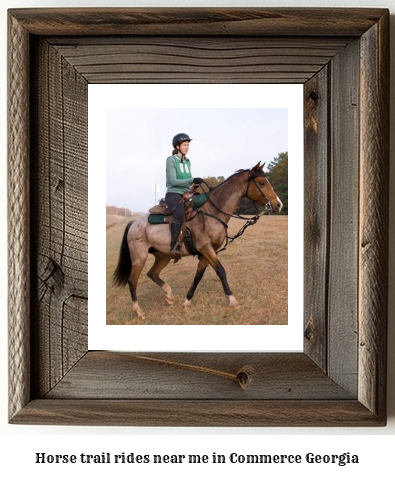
257,269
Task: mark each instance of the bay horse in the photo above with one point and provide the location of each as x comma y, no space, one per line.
208,229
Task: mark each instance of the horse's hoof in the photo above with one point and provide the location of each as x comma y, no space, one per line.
233,302
235,306
169,294
187,303
139,312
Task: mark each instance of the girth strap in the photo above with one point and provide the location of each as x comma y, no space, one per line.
189,244
211,215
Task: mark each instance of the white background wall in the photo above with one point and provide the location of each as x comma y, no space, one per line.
20,443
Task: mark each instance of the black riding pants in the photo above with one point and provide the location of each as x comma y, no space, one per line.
175,203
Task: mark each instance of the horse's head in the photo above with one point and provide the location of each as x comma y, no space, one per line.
260,190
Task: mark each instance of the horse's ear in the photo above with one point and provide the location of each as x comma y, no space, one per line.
259,166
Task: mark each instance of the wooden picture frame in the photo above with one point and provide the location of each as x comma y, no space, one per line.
342,58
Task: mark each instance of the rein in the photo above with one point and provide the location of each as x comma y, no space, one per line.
249,221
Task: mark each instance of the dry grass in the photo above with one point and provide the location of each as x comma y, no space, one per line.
257,269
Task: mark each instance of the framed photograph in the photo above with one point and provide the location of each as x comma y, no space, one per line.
131,129
340,58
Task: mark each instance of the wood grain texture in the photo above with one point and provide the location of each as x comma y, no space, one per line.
316,214
196,59
373,228
198,21
345,81
61,201
187,376
201,413
18,218
344,215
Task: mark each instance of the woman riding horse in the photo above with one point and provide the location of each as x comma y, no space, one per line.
178,181
208,229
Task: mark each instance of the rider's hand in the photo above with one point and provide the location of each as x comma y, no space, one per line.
197,180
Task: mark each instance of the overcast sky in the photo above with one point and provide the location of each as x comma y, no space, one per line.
138,141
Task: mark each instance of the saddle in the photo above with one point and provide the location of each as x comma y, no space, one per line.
161,214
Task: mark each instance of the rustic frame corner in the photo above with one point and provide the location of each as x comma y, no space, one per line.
342,58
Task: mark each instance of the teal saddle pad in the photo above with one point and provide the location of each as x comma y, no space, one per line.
199,200
157,218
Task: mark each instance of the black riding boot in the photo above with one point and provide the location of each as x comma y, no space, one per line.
176,240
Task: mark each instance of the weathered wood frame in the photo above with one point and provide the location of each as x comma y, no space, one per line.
342,58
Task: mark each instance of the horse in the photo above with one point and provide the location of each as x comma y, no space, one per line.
208,230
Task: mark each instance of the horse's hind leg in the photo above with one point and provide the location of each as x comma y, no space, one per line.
201,268
137,267
161,261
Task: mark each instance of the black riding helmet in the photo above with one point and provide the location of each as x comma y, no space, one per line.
180,138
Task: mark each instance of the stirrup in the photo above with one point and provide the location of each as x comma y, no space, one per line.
175,254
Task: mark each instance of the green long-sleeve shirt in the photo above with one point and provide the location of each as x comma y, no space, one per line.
178,175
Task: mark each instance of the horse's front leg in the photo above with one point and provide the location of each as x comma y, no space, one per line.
210,255
202,266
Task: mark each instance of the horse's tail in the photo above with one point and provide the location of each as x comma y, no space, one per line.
122,272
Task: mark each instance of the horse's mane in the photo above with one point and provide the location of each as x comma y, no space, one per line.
239,171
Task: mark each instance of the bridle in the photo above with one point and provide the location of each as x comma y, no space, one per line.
250,221
252,179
